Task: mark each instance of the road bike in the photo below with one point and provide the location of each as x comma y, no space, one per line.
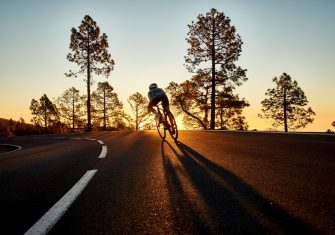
165,121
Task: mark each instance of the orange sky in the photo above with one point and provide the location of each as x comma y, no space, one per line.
147,42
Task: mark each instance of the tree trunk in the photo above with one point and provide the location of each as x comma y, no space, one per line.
89,127
45,118
104,108
206,117
285,110
221,118
73,117
206,108
212,123
136,111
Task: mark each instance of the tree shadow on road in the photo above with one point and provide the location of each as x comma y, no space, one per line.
229,205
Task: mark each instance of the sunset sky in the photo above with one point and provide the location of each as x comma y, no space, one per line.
147,42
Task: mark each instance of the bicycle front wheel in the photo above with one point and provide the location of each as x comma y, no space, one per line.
161,129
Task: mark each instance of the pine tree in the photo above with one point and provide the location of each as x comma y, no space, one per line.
44,111
107,107
70,107
285,104
138,104
89,52
214,48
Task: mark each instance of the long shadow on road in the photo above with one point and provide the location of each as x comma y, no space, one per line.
229,205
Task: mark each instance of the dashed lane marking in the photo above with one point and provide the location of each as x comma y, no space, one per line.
103,149
53,215
49,219
103,152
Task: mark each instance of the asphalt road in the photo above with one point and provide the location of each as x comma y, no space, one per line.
206,183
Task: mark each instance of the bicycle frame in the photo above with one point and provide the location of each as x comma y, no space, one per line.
168,123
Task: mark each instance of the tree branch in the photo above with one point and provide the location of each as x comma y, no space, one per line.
190,114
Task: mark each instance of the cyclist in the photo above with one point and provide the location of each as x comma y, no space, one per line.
157,95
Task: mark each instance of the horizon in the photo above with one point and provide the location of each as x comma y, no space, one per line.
147,42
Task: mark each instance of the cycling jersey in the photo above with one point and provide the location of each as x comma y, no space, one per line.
156,93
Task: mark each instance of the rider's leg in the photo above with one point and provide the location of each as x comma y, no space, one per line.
171,119
166,107
169,114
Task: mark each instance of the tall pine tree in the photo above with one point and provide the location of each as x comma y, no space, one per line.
89,52
214,49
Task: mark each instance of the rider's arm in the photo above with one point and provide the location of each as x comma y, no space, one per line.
150,108
150,96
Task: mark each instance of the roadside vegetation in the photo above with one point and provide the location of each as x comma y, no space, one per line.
9,127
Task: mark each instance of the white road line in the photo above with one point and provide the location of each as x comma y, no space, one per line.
103,152
49,219
16,146
103,149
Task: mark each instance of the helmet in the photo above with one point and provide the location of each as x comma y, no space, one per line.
152,86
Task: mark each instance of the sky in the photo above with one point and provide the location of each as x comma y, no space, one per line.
147,43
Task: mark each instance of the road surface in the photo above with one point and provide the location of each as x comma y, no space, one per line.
207,182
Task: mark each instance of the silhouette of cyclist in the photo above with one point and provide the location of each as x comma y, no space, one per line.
157,95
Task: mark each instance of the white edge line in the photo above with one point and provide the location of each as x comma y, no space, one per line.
102,143
51,217
18,148
90,139
103,152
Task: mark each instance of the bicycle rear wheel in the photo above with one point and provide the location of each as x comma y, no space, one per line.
173,130
161,129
